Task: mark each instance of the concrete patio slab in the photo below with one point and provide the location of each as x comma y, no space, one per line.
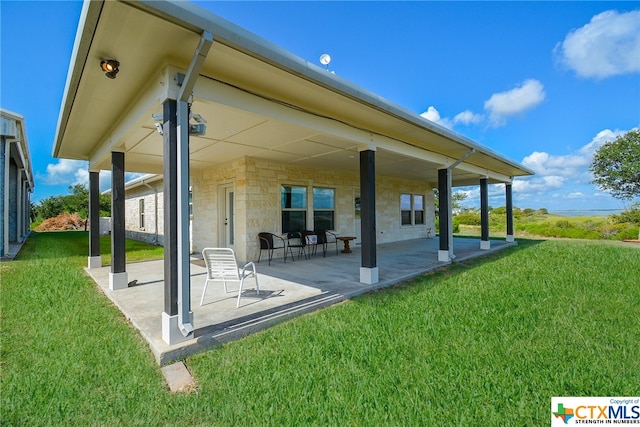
286,290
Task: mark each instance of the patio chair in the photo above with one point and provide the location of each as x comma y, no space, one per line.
295,240
326,238
222,266
311,241
270,242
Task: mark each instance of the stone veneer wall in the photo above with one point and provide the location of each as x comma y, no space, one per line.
132,214
257,184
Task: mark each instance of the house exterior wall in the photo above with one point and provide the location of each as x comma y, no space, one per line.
256,186
153,230
257,202
14,179
4,197
15,183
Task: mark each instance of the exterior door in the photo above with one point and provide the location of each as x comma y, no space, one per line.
227,216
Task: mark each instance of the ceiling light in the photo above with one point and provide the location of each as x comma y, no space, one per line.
110,67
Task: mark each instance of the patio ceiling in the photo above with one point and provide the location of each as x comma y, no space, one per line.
258,100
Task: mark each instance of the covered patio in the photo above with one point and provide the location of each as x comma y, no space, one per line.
286,290
164,87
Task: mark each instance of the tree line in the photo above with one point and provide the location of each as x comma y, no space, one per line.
75,202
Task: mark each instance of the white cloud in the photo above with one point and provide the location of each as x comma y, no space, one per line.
498,107
576,195
69,172
557,171
433,115
515,101
608,45
468,117
599,140
538,185
546,164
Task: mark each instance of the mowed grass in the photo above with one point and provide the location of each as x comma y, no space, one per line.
485,343
136,250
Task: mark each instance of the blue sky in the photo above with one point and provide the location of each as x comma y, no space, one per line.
543,83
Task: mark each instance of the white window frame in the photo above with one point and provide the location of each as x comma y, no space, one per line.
412,209
141,213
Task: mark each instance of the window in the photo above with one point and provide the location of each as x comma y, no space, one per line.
405,209
323,208
141,213
418,209
293,201
411,209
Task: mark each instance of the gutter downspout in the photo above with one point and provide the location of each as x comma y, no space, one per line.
155,203
449,191
184,274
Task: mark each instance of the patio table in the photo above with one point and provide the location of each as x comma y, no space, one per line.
347,246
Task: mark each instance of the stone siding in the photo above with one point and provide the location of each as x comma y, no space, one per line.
256,187
147,234
256,184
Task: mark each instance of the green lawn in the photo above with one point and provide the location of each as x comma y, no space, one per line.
488,343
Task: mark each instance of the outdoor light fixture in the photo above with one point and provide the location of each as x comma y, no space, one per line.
110,67
197,129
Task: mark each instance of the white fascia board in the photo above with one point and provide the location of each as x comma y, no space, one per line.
87,24
140,181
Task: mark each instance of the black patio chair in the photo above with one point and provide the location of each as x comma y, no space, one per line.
296,240
270,242
311,242
326,238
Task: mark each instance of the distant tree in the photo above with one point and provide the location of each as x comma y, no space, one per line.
616,166
456,199
76,202
49,207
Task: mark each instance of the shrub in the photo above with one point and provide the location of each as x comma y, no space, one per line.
468,218
631,216
564,224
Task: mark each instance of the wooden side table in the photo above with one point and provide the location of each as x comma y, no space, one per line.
347,246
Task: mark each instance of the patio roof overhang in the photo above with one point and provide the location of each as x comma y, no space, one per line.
258,99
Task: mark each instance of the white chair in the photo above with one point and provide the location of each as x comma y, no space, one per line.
222,266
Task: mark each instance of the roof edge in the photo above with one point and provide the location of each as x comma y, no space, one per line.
198,19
